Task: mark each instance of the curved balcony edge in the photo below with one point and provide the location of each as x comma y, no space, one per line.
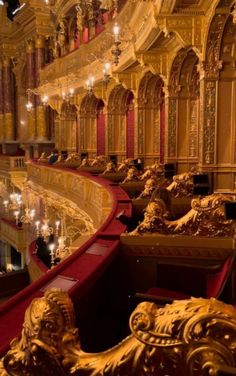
79,271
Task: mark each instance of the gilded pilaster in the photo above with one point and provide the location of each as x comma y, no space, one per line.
41,131
30,67
8,100
209,76
172,117
171,100
1,104
41,122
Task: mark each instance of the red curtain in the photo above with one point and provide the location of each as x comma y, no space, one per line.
86,35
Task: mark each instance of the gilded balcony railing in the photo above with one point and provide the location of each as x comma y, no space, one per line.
12,163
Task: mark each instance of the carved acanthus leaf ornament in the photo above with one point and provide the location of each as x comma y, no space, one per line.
178,339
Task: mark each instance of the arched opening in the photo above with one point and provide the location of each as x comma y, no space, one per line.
121,123
183,110
51,118
226,104
151,118
101,124
92,126
67,128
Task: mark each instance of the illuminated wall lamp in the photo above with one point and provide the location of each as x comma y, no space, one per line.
116,51
90,85
106,75
44,100
29,105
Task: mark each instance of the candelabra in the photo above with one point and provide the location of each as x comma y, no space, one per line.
44,229
61,251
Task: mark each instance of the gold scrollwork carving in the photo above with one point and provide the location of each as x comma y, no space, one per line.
206,218
180,339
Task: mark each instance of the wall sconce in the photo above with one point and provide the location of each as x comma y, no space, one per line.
67,95
16,214
116,51
90,85
44,100
106,75
29,105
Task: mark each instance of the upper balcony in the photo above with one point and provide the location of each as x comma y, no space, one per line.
90,56
13,168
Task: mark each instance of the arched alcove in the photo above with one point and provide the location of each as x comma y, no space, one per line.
226,104
120,127
67,128
92,126
151,118
184,110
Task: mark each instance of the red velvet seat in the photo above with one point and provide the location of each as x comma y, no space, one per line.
216,277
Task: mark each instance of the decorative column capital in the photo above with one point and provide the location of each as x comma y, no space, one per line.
39,41
6,61
30,47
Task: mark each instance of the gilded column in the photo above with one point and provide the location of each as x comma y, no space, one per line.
1,104
30,66
40,109
171,98
209,82
8,100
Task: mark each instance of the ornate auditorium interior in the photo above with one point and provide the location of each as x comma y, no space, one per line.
117,187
